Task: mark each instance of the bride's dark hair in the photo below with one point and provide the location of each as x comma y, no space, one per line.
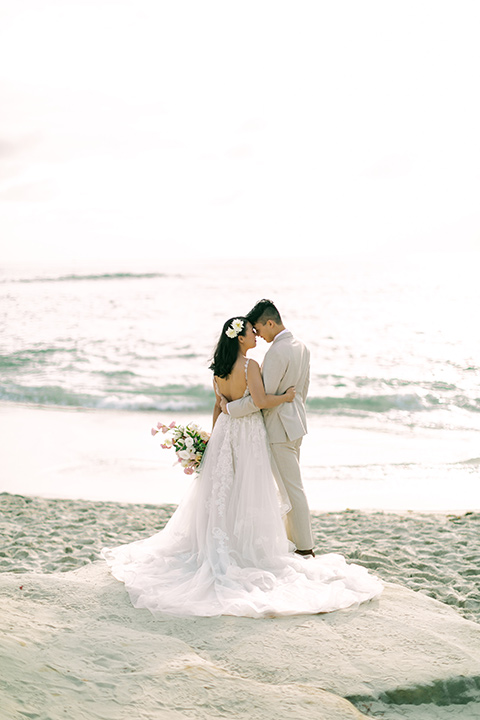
226,352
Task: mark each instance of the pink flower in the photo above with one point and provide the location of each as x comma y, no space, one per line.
159,425
189,471
172,424
154,431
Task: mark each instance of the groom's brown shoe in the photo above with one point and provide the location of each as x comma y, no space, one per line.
305,553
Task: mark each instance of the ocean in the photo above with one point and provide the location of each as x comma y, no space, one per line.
394,400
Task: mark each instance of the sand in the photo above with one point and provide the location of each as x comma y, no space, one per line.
72,646
436,554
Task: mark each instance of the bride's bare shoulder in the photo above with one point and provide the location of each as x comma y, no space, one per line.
253,366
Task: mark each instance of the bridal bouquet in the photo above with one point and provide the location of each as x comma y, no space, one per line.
189,442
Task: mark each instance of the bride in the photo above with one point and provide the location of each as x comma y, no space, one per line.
225,550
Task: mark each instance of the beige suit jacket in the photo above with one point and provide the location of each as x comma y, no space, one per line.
286,363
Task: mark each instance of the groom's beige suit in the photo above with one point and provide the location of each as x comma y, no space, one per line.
286,363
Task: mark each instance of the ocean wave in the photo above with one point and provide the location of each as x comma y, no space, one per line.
470,461
178,397
167,398
76,278
32,357
410,402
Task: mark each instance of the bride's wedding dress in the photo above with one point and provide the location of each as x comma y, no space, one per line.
225,550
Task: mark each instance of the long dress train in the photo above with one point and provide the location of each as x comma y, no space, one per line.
225,550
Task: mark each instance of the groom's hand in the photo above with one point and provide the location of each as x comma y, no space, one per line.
223,404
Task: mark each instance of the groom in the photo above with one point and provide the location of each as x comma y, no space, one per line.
286,363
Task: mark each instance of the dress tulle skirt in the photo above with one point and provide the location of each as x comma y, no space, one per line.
225,550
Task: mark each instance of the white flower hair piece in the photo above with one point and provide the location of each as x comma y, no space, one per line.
235,328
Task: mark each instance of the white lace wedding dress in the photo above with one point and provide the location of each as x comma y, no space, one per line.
225,550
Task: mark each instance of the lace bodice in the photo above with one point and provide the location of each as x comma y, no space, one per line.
247,391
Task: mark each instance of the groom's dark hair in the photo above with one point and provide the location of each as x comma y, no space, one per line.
264,310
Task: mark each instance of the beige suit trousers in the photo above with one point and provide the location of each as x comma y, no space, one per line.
286,468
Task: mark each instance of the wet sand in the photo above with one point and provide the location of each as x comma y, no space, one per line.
108,455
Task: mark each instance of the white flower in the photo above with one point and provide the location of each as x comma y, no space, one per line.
236,326
184,454
188,441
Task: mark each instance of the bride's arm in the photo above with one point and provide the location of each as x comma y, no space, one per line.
257,389
217,409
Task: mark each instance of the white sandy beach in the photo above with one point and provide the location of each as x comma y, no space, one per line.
72,644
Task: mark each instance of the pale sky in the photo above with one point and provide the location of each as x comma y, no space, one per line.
141,127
